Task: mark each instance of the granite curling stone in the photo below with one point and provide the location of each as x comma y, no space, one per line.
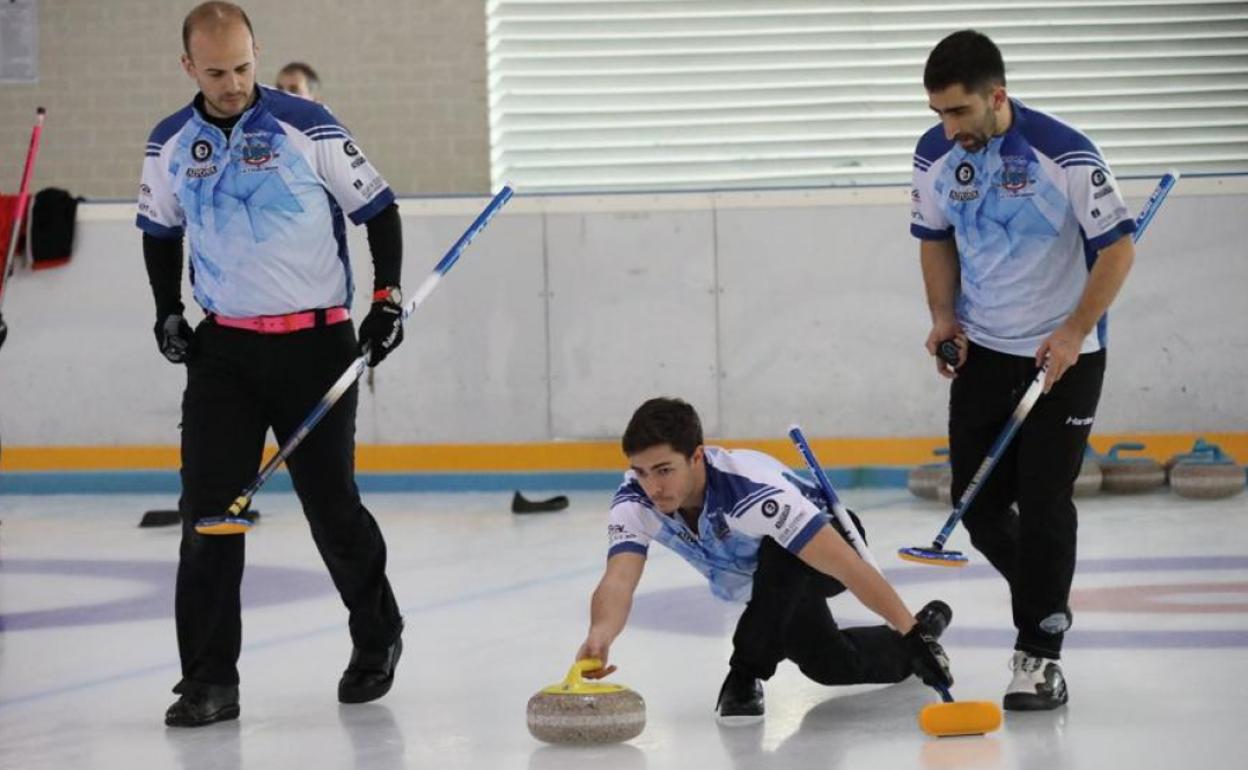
944,486
580,713
923,479
1206,473
1130,474
1090,476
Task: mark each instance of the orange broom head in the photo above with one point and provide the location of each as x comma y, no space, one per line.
223,525
961,718
933,557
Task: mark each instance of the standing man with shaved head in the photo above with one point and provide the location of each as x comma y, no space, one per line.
258,181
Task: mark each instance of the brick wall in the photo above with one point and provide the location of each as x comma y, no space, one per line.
406,76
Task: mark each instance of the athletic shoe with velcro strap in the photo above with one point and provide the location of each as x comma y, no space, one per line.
1038,684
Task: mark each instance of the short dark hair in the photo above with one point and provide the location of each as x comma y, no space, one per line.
216,13
967,58
309,74
663,421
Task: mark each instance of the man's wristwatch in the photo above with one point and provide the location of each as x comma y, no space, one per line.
391,294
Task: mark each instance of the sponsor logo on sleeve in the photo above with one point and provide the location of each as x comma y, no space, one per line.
145,191
200,172
784,517
794,525
350,149
770,508
1101,193
915,197
359,161
616,534
1098,177
965,173
369,189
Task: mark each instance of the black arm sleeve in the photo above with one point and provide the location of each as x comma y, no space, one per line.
163,258
385,241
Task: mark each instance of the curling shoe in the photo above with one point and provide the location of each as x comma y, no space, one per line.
202,704
369,675
1038,684
740,700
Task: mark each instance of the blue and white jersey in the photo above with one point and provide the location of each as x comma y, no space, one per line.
749,496
1029,213
263,209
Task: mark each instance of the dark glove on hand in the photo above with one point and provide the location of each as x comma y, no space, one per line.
381,331
175,338
927,658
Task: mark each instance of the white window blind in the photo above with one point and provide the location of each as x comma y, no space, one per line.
695,94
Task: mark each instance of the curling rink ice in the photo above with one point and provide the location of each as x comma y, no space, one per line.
496,605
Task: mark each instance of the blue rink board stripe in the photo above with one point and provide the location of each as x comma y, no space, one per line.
167,482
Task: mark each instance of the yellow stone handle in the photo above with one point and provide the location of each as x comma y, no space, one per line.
574,684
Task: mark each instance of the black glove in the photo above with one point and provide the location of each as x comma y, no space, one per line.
174,337
927,658
381,330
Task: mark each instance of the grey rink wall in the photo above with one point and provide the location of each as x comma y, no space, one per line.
406,76
761,308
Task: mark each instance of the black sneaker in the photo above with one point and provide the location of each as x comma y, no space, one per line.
740,700
202,704
369,675
934,618
1038,684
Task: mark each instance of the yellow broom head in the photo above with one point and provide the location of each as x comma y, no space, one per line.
961,718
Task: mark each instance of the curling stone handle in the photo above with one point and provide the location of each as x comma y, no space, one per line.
573,679
944,693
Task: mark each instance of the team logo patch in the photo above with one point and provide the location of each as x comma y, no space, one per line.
770,508
257,150
350,149
965,173
1096,213
201,150
1098,177
1014,173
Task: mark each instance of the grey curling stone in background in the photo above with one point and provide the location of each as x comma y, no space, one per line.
1090,477
580,713
923,479
944,486
1130,474
1206,473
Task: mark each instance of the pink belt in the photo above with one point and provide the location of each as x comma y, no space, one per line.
284,324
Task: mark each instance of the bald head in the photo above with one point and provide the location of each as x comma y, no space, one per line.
213,18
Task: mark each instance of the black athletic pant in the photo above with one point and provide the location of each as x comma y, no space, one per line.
1034,549
788,617
240,383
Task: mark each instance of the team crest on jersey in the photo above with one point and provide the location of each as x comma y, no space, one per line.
257,149
201,150
1098,177
1014,173
965,173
